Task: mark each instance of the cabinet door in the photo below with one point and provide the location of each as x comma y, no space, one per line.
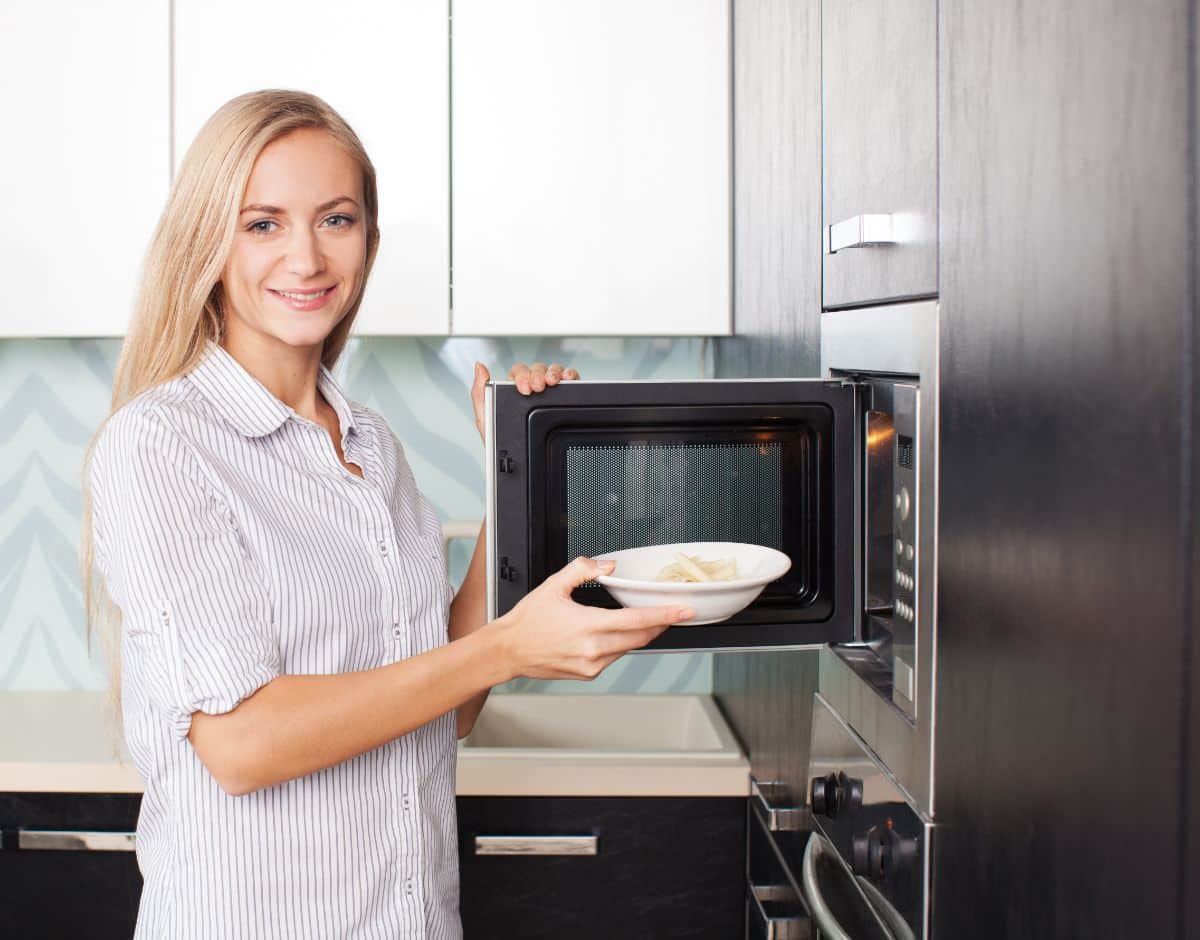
663,867
591,169
84,169
879,163
49,892
385,68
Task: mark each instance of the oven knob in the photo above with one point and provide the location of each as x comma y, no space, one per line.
836,794
880,853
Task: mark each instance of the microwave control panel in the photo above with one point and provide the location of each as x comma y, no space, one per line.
905,560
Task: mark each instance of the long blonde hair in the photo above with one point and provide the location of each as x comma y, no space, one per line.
178,307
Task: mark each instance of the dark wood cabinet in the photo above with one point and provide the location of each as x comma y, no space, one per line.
48,894
665,867
879,136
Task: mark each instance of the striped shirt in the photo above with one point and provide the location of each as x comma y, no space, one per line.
239,548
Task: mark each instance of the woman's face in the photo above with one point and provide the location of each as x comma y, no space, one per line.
297,258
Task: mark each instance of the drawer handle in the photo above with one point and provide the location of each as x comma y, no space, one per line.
536,845
778,818
859,232
786,927
76,841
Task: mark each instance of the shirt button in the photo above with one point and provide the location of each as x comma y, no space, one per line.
397,630
409,887
406,802
383,548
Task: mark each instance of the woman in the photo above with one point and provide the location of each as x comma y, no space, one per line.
294,671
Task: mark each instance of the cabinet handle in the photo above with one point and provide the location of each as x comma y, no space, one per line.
75,841
858,232
778,818
785,927
536,845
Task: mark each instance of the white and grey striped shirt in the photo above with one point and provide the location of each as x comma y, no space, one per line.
239,548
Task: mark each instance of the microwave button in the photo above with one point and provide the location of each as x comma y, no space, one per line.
904,503
899,547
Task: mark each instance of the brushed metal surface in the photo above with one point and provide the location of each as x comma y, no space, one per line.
1060,617
901,339
536,845
776,191
63,840
879,133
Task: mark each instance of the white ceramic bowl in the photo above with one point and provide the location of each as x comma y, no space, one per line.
632,581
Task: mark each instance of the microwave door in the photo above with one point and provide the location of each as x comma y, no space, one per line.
587,468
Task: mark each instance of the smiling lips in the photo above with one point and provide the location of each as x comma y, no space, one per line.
303,300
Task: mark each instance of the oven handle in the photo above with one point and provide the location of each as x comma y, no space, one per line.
818,910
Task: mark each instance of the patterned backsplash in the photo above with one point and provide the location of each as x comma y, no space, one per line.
54,393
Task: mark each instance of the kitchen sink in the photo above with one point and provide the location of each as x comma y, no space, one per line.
601,745
600,727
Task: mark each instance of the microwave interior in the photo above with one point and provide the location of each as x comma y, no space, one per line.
587,468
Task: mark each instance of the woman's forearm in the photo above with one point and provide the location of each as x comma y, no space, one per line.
468,613
298,724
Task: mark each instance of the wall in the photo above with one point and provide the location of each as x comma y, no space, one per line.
54,393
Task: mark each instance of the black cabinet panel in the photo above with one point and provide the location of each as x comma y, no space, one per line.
58,894
667,867
1064,298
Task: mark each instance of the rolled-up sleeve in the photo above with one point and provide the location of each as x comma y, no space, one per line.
197,624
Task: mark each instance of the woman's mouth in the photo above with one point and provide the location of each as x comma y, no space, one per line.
303,299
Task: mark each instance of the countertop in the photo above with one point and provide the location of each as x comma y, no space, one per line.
63,742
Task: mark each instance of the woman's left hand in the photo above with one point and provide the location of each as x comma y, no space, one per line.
529,379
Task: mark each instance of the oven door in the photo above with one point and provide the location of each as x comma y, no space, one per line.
587,468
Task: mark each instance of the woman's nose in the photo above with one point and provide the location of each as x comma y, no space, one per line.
304,257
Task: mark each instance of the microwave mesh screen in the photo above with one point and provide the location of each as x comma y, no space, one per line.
637,494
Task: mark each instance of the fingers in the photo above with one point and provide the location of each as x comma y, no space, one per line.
648,618
539,376
582,569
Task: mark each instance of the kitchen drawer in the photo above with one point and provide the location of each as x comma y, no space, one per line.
51,893
663,867
879,150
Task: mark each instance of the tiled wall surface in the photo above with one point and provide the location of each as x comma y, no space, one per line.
54,393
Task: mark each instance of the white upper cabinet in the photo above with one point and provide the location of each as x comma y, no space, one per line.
591,167
384,66
85,166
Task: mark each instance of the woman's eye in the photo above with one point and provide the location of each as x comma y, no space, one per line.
261,227
340,221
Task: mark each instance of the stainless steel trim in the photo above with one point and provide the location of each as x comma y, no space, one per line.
778,818
859,231
795,927
536,845
896,340
489,485
60,840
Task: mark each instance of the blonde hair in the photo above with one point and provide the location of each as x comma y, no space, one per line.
178,305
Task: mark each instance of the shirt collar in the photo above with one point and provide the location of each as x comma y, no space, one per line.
247,404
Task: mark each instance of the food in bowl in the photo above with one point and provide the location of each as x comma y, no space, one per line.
635,582
693,568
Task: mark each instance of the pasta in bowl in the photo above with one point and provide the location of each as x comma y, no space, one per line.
715,579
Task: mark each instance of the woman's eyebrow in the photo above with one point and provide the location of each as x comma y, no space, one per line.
275,210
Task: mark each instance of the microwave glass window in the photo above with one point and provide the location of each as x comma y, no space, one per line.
631,495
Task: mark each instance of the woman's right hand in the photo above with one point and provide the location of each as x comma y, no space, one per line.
549,636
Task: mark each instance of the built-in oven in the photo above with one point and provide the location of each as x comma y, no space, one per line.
865,867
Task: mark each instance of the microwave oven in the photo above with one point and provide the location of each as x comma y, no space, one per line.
837,471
